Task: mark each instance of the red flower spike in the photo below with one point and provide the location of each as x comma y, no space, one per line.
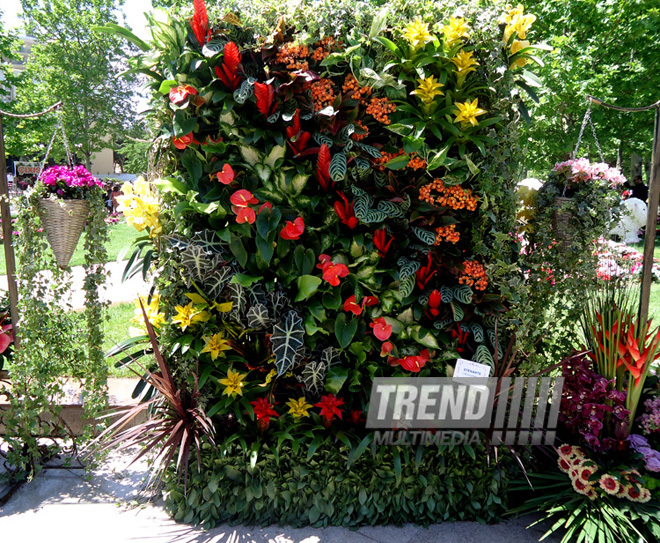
323,168
333,272
293,131
181,142
425,273
330,407
345,212
243,198
200,22
381,242
265,94
435,299
293,230
381,329
229,72
226,175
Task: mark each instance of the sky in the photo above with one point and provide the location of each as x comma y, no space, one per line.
132,9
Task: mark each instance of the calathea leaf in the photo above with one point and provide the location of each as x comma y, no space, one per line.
441,325
287,338
362,164
374,216
463,294
424,235
320,139
483,356
390,209
244,92
361,207
458,311
357,191
406,286
338,167
257,317
346,133
446,294
477,332
371,151
407,267
493,341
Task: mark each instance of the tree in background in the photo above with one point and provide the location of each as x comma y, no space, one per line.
9,45
606,49
70,62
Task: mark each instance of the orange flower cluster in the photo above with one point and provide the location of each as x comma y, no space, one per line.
352,87
360,137
292,55
322,93
446,233
474,274
416,163
324,48
454,197
380,108
385,158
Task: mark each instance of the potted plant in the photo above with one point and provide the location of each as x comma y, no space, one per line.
63,207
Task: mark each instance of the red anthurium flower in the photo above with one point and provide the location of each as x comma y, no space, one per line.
263,410
293,230
382,330
226,175
345,212
435,299
210,141
386,348
330,407
243,198
351,305
425,273
323,168
415,363
333,272
244,214
266,205
381,242
324,260
183,141
228,74
357,416
180,93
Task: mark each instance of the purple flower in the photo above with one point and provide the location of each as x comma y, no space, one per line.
69,182
637,442
652,462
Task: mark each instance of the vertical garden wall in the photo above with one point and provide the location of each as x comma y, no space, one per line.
337,206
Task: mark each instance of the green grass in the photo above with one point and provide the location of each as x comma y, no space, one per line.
654,300
121,237
116,331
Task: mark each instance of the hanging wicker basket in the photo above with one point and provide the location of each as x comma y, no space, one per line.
64,221
561,221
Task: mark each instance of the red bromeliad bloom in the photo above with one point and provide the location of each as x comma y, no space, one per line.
357,416
323,169
297,138
381,242
265,95
462,338
330,407
345,212
200,22
293,230
381,329
435,299
181,142
226,175
425,273
263,410
180,93
351,305
228,74
414,363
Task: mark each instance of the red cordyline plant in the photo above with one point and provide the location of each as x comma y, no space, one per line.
176,422
621,346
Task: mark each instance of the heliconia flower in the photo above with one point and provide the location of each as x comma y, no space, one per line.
243,198
435,299
345,212
181,142
293,230
200,22
333,272
180,93
381,329
226,175
381,242
351,305
265,95
330,407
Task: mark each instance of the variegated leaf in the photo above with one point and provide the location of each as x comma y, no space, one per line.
406,286
483,356
287,338
446,294
424,235
257,317
463,294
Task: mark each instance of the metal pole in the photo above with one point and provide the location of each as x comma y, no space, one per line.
651,223
7,233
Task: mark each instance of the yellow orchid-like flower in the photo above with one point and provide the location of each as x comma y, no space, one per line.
428,89
187,316
298,408
467,112
216,345
417,34
457,29
233,383
156,317
140,205
510,13
519,24
516,46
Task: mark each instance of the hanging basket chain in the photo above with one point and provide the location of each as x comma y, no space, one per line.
50,145
59,127
587,119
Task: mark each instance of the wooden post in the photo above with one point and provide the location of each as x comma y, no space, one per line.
7,233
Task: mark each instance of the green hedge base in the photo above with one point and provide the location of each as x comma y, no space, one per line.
386,485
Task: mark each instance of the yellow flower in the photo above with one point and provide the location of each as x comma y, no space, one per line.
464,63
455,30
516,46
188,315
215,345
428,89
140,205
298,408
233,383
520,24
467,112
511,12
417,34
156,318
